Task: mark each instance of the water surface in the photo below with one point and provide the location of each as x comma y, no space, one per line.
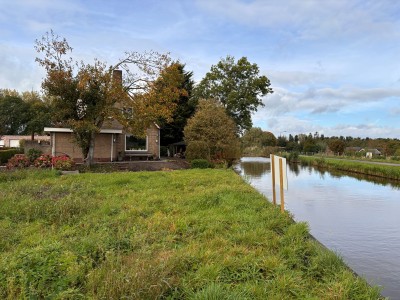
357,217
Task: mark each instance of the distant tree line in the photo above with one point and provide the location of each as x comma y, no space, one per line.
315,143
258,142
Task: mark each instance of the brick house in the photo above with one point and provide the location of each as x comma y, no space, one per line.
113,143
13,141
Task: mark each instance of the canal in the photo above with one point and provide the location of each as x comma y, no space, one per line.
357,217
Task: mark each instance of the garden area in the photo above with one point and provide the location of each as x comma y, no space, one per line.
16,159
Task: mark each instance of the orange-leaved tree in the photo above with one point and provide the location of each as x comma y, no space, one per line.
86,95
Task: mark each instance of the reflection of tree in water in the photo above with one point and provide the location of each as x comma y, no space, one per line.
360,177
255,168
294,168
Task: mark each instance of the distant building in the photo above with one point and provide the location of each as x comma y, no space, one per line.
369,153
14,141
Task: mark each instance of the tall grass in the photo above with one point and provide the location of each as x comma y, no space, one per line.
194,234
391,172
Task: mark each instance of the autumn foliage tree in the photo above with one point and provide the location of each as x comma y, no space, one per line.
172,132
211,133
86,95
337,146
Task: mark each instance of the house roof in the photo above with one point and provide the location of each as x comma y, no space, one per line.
59,129
373,151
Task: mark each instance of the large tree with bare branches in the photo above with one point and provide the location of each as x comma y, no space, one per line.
86,95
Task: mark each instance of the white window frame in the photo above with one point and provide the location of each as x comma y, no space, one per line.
137,150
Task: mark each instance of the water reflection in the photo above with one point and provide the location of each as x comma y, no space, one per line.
295,168
255,169
353,214
258,166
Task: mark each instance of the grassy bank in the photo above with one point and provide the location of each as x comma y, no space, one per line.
194,234
391,172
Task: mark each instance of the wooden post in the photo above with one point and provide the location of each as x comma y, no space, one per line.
273,179
281,185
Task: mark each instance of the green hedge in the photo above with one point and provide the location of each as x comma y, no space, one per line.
5,155
200,164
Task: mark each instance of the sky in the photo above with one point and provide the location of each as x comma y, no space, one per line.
334,65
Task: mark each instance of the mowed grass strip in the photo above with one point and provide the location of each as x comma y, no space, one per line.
193,234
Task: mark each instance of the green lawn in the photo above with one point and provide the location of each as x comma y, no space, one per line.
193,234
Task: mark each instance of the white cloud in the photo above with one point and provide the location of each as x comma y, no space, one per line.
325,100
363,130
18,72
285,125
357,94
294,78
310,19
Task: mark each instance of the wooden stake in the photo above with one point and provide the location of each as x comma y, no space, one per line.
281,185
273,179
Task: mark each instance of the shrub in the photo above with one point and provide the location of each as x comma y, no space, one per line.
43,161
197,150
18,161
200,164
294,157
379,157
63,162
213,133
5,155
33,154
22,143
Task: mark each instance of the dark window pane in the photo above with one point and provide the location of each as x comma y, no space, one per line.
134,143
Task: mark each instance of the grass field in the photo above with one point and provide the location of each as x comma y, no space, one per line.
193,234
385,171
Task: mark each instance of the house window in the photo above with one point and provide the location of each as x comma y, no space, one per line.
14,144
133,143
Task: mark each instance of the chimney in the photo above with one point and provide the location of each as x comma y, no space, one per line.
117,76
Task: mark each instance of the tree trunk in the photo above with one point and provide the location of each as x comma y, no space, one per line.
90,154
